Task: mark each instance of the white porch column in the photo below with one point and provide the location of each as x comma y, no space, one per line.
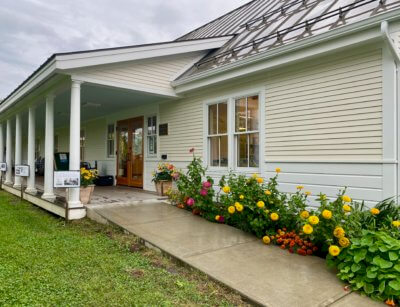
49,149
18,148
9,153
74,140
2,142
31,186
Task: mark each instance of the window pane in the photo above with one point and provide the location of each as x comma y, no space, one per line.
224,150
212,119
214,151
240,115
154,124
252,113
254,150
222,117
242,154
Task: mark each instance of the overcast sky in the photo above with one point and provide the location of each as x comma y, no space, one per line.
32,30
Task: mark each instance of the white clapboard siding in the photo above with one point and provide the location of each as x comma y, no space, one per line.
336,102
152,74
396,39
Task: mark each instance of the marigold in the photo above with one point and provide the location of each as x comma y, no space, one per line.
339,232
346,198
308,193
226,189
300,187
314,220
375,211
217,217
260,204
334,250
255,176
266,240
260,180
231,209
344,242
267,192
241,197
274,216
346,208
396,223
239,207
308,229
304,214
278,170
327,214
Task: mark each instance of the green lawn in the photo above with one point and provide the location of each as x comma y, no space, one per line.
45,262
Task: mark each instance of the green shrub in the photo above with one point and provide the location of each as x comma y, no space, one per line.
371,265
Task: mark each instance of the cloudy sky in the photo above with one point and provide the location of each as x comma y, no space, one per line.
32,30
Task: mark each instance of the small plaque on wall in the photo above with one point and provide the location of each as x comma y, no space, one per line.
163,129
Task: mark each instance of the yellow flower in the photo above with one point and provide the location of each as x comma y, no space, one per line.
260,204
308,229
267,192
308,193
374,211
327,214
254,176
260,180
226,189
278,170
314,220
87,177
346,208
241,197
274,216
231,209
239,207
304,214
396,223
334,250
300,187
344,242
339,232
266,240
346,198
217,217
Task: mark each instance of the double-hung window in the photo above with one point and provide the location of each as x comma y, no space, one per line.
218,134
247,131
239,140
152,135
110,140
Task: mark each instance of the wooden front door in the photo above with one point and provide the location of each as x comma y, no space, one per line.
130,152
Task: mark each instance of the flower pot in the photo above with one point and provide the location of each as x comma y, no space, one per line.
163,186
86,194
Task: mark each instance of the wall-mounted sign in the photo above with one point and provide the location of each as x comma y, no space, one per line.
22,170
3,166
163,129
67,179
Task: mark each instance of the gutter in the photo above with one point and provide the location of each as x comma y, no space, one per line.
389,41
317,39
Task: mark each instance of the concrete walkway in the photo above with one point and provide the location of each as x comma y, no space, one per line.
266,275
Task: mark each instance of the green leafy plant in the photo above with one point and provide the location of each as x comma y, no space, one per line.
371,265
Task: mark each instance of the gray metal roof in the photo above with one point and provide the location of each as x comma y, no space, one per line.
261,25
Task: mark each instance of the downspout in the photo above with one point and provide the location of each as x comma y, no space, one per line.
396,56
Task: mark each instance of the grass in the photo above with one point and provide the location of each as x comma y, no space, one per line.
44,262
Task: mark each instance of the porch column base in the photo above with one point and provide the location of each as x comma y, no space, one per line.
49,197
9,183
17,186
31,191
77,213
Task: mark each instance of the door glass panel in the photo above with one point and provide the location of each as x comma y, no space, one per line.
137,155
123,151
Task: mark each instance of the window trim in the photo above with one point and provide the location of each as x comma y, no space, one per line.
146,134
232,164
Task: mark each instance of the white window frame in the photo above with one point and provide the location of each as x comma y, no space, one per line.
208,136
232,148
112,156
148,154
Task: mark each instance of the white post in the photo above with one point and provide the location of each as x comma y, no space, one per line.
9,153
49,149
74,140
31,186
18,148
1,146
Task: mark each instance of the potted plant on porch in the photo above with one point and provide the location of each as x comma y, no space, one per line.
162,177
87,185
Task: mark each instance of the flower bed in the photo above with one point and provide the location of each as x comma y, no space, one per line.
362,244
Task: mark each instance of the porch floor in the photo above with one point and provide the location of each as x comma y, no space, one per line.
266,275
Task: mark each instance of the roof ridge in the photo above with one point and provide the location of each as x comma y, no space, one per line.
214,20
